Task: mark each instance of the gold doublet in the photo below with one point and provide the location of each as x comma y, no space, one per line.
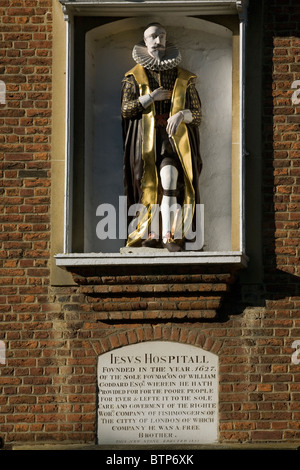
179,80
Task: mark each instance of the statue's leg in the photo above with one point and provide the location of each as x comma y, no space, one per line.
168,177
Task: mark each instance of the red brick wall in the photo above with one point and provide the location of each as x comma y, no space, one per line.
281,222
25,65
53,335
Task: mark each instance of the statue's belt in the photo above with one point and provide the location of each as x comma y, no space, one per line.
161,120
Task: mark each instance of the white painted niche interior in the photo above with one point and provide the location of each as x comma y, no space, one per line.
206,49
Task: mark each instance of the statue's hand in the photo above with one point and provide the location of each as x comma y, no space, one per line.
161,94
173,123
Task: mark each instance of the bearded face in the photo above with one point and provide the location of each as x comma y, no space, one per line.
155,38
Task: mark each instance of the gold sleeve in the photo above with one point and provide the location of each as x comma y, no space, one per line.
131,106
193,103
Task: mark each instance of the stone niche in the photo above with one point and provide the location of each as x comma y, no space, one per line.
157,392
131,284
206,49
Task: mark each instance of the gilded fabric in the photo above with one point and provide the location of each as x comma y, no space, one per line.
131,106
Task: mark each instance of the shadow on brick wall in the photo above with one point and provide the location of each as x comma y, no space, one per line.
272,168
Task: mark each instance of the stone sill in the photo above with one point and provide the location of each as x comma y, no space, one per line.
155,257
276,445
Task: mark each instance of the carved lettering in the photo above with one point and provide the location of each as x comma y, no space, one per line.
162,393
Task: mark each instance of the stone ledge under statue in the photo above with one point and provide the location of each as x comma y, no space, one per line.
140,286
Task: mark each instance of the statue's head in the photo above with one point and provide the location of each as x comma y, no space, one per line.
155,38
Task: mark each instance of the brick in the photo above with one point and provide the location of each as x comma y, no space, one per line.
266,436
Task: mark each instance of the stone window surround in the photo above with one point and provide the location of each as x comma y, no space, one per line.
61,243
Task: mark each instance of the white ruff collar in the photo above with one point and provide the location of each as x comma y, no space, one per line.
170,60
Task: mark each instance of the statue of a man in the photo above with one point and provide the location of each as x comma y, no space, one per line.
161,114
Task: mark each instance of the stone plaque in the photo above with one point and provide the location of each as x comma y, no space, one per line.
157,392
